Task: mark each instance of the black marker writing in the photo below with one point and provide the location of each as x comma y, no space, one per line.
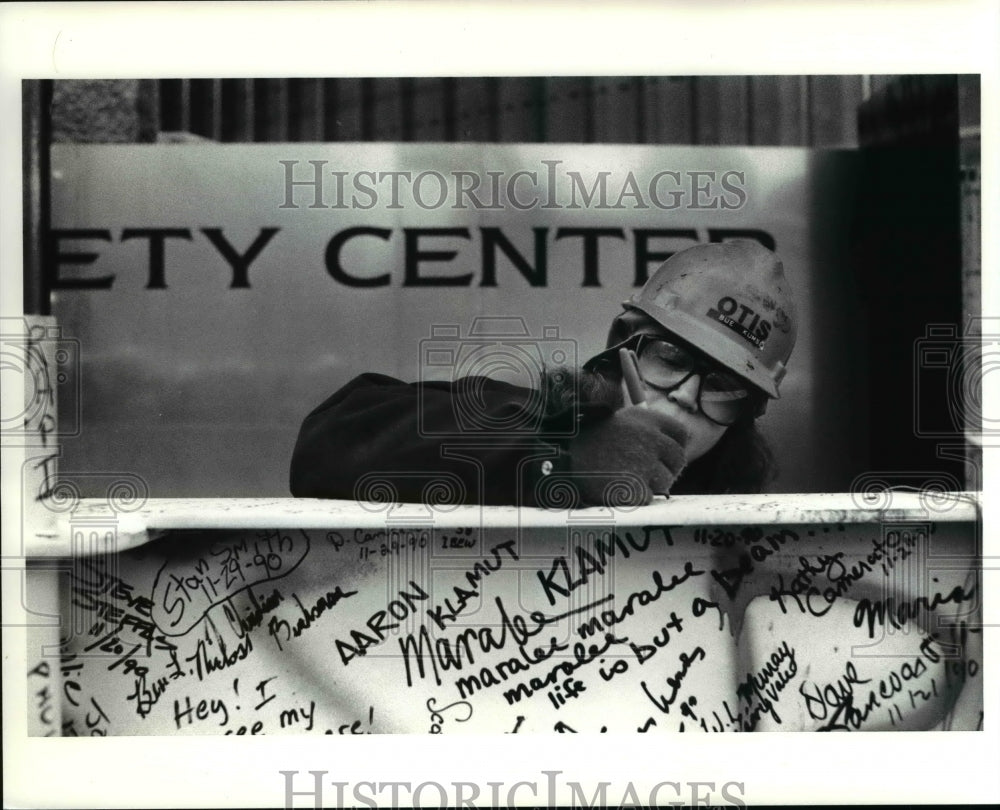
280,629
899,612
664,702
378,626
561,581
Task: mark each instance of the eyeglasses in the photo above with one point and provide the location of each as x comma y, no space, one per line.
722,395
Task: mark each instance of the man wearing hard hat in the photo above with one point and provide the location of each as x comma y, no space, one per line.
669,406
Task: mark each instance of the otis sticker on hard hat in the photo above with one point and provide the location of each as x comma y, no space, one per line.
730,300
756,331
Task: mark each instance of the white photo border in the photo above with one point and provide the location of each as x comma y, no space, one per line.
42,40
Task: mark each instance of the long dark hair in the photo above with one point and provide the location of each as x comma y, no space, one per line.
740,462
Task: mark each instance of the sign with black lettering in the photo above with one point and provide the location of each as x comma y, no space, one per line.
229,289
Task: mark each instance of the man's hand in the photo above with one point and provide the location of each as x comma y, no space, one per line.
627,458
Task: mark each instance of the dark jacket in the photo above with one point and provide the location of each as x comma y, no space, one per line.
475,440
478,440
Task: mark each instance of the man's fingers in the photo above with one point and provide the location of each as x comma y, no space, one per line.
661,482
632,378
671,455
661,423
646,447
674,429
